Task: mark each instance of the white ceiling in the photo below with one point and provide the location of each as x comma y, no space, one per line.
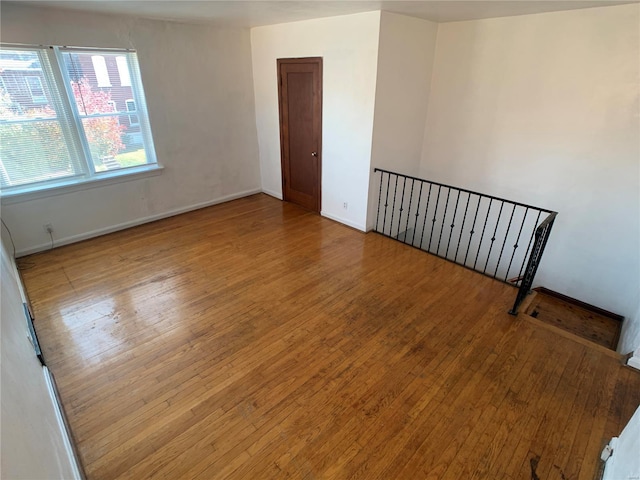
241,13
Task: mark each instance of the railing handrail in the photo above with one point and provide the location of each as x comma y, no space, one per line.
542,236
528,260
545,210
550,218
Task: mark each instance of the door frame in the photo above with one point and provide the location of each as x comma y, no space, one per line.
317,98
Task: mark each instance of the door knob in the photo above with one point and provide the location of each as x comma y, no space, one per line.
314,154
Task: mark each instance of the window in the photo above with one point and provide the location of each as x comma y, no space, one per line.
131,107
67,128
100,72
123,71
36,90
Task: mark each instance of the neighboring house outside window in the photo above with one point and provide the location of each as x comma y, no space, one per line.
100,71
123,71
131,107
56,134
35,89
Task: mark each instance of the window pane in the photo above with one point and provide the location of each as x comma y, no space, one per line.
23,91
90,100
115,141
35,87
33,152
33,146
108,143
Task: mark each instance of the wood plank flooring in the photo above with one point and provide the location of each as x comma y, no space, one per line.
255,340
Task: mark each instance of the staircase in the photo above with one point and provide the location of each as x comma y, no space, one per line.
571,317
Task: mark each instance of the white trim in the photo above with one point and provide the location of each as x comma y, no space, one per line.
70,48
61,425
273,193
335,218
84,183
609,465
634,361
133,223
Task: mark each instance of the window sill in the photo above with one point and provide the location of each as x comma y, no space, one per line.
27,194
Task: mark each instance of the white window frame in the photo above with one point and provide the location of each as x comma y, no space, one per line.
132,113
36,98
87,176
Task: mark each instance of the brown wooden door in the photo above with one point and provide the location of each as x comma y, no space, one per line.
300,100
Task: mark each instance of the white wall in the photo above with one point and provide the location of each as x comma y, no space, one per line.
631,335
543,109
32,442
349,47
405,60
198,85
624,463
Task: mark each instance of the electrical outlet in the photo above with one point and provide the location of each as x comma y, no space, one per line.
48,228
345,205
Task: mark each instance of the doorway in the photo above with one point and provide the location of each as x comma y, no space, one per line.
300,105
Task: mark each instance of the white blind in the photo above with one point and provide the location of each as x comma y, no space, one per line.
35,143
68,115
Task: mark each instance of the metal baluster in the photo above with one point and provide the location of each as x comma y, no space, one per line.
393,208
524,260
379,200
415,224
406,225
386,202
493,238
515,245
473,226
453,220
444,216
535,246
464,218
433,222
505,240
482,235
404,185
426,212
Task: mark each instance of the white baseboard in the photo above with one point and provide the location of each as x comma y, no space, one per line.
634,362
272,193
133,223
73,460
344,221
610,463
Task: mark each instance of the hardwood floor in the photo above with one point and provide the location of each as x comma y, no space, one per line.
255,340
